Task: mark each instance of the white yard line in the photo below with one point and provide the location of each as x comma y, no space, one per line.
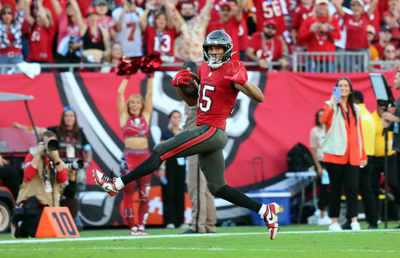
80,239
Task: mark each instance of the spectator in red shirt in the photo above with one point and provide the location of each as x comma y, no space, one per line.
356,24
302,11
41,33
356,30
391,17
229,22
265,47
320,31
385,36
159,37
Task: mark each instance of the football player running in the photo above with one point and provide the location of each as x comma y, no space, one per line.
221,80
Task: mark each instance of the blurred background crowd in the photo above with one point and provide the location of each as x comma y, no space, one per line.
263,31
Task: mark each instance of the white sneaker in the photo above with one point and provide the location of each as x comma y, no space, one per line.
335,227
134,231
355,226
324,221
141,230
271,219
170,226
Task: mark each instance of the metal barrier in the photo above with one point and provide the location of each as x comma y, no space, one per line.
330,62
384,65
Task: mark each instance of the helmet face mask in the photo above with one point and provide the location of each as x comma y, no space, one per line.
221,39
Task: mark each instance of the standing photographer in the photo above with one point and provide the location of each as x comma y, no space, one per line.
391,121
44,176
73,144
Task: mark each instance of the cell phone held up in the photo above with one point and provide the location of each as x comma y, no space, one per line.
337,94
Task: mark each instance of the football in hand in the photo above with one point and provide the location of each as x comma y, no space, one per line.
189,93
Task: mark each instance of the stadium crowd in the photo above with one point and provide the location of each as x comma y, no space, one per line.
263,31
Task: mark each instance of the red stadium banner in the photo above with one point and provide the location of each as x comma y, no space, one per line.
260,134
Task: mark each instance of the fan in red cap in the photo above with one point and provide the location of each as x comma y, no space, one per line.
269,22
91,10
265,47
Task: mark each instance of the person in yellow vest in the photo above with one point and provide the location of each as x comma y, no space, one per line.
379,157
365,189
45,175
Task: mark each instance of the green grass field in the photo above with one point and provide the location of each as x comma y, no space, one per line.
292,241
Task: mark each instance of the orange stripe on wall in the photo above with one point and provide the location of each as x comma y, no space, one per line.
189,144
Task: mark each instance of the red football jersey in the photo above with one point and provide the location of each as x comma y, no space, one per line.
270,51
40,40
267,10
217,96
160,42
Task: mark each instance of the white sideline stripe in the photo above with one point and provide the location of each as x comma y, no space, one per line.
80,239
196,249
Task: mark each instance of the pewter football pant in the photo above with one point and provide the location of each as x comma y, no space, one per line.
208,142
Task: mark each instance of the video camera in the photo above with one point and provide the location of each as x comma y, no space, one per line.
383,93
75,165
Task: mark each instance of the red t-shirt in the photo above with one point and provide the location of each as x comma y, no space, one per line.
40,43
317,41
232,28
161,43
271,51
270,9
217,96
300,14
356,31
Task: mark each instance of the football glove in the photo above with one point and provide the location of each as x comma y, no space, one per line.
239,73
182,77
